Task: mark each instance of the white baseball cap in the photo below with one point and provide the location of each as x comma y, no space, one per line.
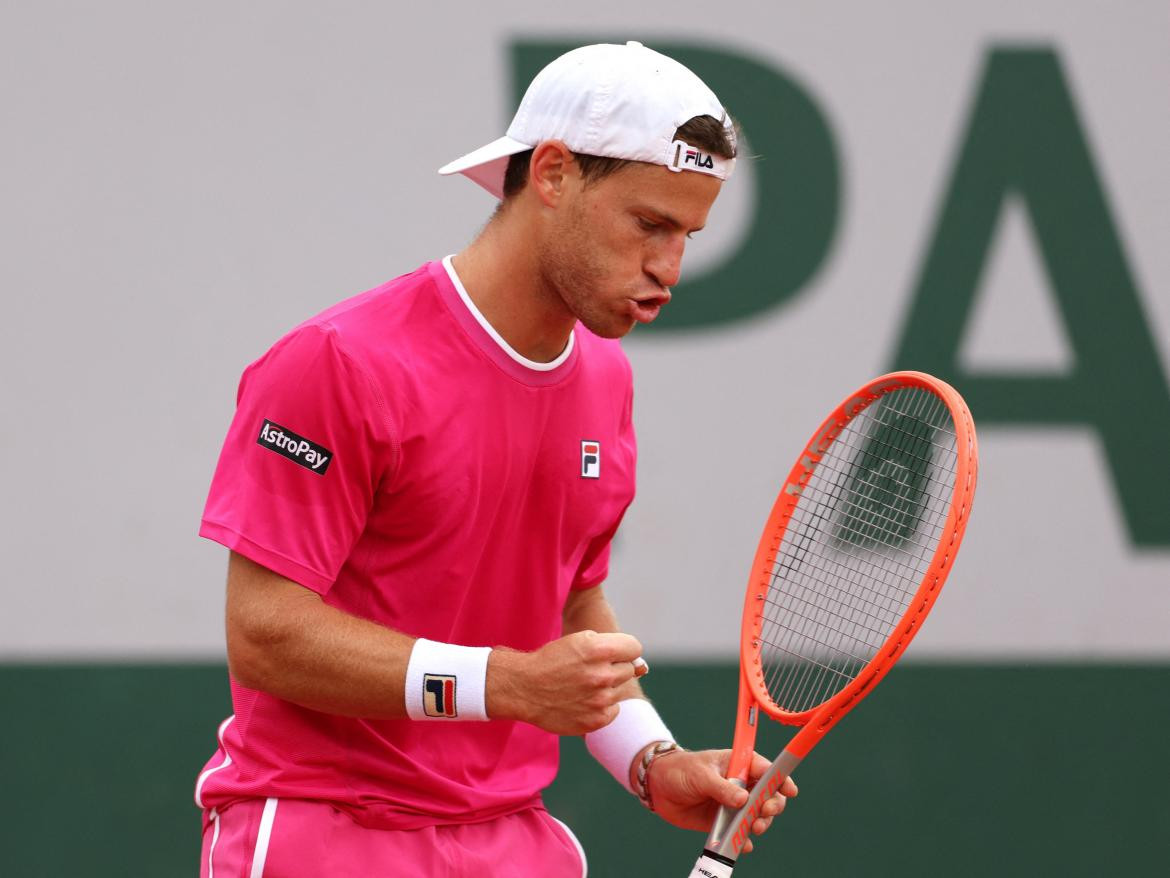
622,102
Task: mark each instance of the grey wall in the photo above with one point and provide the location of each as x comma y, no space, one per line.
182,183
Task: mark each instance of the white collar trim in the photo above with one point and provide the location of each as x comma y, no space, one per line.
496,337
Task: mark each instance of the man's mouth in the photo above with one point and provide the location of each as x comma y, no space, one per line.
646,308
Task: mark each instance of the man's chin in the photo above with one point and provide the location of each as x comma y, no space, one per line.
609,332
616,327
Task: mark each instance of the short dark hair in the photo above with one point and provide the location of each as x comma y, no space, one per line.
706,132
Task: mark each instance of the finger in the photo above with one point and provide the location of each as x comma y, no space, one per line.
760,825
603,719
727,793
705,778
773,806
621,672
641,668
758,767
615,647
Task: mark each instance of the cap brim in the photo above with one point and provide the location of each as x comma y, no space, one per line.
487,164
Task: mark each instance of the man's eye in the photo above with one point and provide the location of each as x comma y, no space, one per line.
646,224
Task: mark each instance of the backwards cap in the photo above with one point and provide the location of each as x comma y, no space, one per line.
622,102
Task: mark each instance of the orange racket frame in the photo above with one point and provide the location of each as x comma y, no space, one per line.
730,831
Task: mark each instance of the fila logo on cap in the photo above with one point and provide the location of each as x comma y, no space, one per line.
590,459
696,158
681,156
439,695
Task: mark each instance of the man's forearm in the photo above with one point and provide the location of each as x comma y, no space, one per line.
284,640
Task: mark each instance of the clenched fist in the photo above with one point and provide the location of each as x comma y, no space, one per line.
569,686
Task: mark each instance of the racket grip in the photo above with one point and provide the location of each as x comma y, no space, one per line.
708,867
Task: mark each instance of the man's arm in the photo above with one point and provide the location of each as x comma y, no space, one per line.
284,640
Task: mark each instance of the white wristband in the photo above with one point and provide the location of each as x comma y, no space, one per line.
615,746
446,682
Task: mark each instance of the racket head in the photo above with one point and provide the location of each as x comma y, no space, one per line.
857,546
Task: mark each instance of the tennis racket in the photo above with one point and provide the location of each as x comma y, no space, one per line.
852,558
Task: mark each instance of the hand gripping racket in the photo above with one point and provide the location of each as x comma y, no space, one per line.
855,551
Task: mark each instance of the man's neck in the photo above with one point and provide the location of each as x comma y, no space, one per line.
499,270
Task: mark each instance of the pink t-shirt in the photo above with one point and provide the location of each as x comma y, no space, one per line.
393,456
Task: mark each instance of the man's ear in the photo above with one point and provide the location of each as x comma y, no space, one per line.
551,168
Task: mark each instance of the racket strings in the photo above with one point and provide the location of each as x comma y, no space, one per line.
857,546
801,684
876,616
841,632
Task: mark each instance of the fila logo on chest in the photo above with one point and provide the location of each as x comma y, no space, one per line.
590,459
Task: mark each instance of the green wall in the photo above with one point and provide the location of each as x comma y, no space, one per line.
947,770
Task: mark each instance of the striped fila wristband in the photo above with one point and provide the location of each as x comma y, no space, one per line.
446,682
615,746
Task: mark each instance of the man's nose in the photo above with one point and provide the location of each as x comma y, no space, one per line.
665,263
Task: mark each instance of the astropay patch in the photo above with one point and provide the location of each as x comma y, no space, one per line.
298,449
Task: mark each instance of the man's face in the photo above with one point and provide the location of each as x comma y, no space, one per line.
614,246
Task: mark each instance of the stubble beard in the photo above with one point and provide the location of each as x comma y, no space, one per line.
569,272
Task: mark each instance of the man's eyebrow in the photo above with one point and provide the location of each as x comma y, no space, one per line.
668,220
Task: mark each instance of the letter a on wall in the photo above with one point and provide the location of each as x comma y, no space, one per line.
1024,140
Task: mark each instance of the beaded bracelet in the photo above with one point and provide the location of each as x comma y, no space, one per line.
643,787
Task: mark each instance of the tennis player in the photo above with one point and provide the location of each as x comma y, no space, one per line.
419,490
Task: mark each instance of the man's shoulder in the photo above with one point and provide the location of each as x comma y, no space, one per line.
374,323
379,325
379,310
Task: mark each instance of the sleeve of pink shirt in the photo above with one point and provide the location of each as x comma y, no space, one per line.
595,565
306,450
